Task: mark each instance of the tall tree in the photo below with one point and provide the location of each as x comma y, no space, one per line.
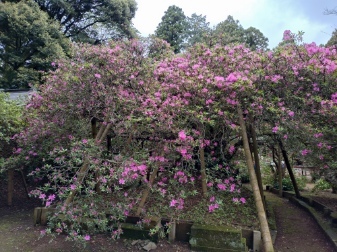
172,27
87,20
231,31
333,40
29,42
196,30
255,39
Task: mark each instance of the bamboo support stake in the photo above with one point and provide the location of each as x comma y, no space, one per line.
266,237
257,163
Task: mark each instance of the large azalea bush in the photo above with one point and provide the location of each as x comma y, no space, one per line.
171,123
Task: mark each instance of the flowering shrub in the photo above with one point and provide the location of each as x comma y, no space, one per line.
172,124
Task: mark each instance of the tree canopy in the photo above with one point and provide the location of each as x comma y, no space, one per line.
230,31
172,27
196,30
333,40
29,42
87,20
182,32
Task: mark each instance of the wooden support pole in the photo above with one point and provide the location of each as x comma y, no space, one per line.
266,237
257,162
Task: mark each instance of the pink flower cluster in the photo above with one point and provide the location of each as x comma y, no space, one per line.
182,178
177,203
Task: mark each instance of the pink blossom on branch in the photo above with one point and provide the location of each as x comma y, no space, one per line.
182,135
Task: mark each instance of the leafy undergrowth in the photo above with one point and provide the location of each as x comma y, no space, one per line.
197,209
217,208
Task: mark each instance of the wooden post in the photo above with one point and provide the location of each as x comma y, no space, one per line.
266,237
257,162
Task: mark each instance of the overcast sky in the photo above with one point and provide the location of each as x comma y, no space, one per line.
271,17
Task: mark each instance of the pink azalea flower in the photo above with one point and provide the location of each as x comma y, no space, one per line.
173,203
231,149
291,113
182,135
243,200
87,237
305,152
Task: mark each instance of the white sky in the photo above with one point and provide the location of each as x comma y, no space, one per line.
271,17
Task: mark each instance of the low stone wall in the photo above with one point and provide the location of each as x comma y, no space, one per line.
212,238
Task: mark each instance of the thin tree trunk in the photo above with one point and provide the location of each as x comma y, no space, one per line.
257,163
203,171
266,237
102,133
279,169
290,171
93,128
24,183
10,187
147,191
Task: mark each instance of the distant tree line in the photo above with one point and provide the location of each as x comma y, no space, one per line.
35,33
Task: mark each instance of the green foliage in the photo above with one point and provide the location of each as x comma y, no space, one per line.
255,39
288,185
29,42
321,185
333,40
270,178
92,21
11,118
231,31
173,27
197,30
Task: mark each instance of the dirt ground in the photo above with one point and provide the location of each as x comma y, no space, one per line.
297,231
